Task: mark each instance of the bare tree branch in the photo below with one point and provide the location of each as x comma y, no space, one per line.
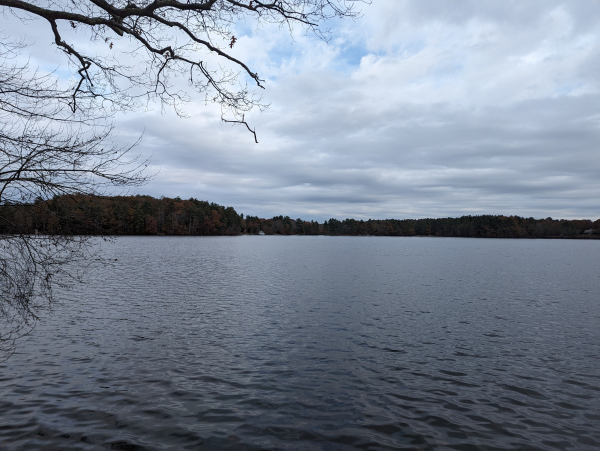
242,122
46,150
172,34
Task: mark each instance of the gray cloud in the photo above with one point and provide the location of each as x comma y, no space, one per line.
538,157
421,108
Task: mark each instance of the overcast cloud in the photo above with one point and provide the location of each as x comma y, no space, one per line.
421,108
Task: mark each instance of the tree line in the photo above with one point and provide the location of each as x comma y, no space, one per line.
81,214
144,215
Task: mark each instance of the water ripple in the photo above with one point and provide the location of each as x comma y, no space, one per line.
314,343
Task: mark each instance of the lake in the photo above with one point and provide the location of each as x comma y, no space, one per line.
316,343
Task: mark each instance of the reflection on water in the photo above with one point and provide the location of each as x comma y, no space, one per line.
317,343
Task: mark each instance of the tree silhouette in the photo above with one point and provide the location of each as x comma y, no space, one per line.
46,150
167,39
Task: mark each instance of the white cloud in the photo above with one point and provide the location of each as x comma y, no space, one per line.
420,108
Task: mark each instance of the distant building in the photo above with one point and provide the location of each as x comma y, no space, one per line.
261,233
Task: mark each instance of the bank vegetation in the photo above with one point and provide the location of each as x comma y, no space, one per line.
145,215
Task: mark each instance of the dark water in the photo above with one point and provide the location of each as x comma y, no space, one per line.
317,343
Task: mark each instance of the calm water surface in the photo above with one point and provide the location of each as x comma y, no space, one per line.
316,343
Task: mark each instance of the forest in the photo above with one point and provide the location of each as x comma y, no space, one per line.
145,215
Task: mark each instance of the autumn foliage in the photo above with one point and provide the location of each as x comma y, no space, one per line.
122,215
145,215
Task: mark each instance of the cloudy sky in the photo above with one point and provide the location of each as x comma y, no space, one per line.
421,108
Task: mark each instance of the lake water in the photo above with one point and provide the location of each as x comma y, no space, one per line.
316,343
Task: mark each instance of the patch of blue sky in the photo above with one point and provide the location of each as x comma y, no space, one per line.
62,73
352,53
244,28
282,48
350,56
565,90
